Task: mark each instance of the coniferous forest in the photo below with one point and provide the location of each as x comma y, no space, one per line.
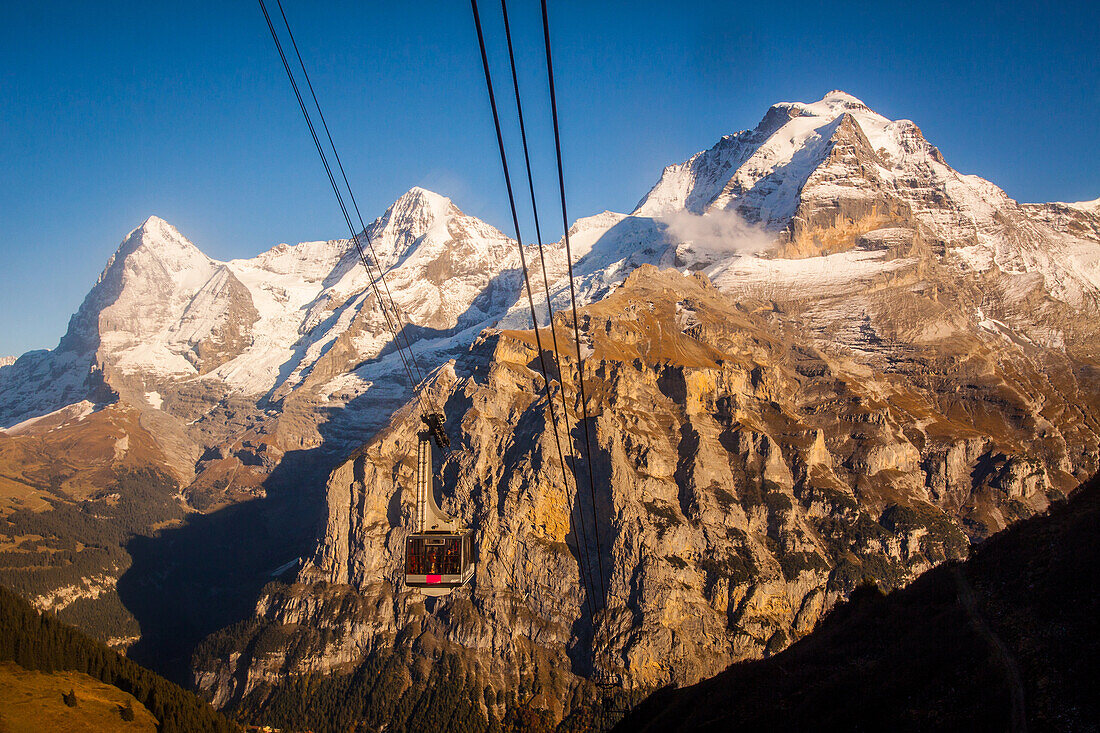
38,641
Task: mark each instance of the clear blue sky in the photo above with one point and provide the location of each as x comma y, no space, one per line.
114,111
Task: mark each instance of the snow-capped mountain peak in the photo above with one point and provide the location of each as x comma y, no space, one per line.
163,314
817,178
761,172
153,270
418,199
841,100
185,263
829,177
155,226
415,214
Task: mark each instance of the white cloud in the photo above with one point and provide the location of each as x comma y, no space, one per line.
705,238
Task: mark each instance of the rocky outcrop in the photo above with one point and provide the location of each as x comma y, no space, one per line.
909,368
997,642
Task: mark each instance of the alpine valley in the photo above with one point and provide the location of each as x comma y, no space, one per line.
815,357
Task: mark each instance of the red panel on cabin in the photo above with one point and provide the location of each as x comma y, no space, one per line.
434,579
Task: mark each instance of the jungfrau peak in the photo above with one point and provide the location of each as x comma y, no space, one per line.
815,355
821,174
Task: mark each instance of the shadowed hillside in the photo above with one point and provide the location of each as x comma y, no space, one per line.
1004,641
37,641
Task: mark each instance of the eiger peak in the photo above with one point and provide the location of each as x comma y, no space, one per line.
156,236
157,232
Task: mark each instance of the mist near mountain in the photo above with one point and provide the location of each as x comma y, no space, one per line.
714,235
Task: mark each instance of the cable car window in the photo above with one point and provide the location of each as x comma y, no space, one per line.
426,555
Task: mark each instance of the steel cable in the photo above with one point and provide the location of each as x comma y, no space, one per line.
347,185
572,289
545,282
408,362
523,262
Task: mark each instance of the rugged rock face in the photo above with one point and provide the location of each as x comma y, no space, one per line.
1004,640
910,368
746,480
190,381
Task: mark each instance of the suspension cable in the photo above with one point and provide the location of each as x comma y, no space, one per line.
523,261
391,327
572,287
351,194
545,278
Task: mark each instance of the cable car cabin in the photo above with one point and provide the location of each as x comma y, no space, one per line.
439,555
439,561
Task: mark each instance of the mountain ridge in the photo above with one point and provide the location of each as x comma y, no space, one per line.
828,354
875,391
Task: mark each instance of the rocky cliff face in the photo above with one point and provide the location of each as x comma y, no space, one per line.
952,651
908,367
199,386
747,478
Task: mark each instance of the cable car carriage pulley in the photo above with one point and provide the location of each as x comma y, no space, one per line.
439,554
